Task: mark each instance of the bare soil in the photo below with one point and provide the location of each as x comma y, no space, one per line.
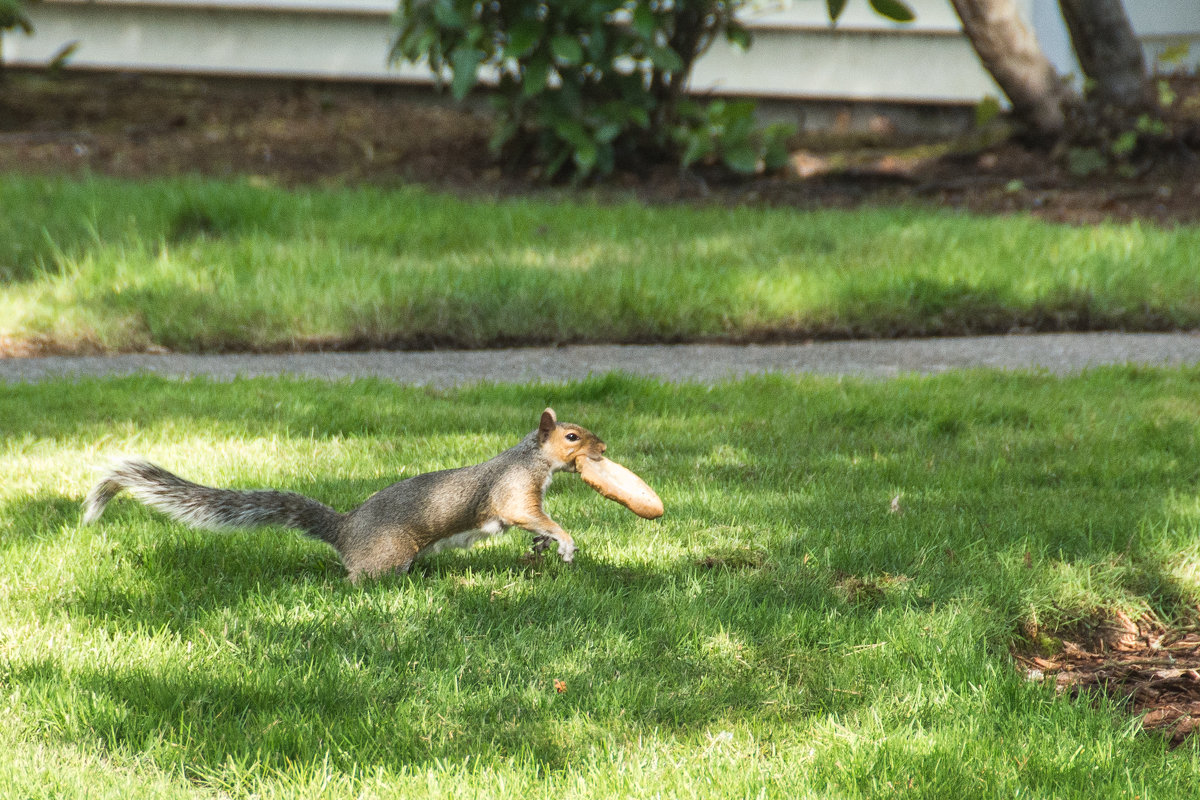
303,133
1152,671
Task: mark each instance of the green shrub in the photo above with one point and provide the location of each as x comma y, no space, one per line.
12,16
585,85
724,132
581,84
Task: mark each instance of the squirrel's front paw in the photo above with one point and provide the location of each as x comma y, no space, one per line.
567,552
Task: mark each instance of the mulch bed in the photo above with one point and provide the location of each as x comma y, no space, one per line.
297,133
1153,671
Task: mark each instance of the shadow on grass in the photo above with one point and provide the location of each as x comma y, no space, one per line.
40,519
925,306
332,670
92,409
459,658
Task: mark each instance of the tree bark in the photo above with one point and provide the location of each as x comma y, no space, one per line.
1108,51
1010,51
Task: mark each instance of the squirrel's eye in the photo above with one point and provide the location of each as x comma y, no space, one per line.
572,437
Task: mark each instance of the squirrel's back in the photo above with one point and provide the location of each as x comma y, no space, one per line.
434,504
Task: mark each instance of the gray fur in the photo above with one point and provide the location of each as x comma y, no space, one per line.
420,515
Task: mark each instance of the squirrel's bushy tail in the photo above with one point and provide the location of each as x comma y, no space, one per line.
206,507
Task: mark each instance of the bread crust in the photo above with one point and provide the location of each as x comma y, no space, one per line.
620,484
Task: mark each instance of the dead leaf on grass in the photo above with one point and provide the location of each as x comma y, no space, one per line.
867,589
734,558
1154,671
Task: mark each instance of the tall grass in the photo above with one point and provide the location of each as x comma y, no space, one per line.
781,632
99,264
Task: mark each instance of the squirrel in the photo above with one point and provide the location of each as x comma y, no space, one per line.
419,516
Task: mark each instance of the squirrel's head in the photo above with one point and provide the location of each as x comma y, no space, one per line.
564,442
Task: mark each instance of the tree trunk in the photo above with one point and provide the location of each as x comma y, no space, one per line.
1108,51
1011,53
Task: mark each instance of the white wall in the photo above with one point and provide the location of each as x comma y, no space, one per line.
1158,23
796,53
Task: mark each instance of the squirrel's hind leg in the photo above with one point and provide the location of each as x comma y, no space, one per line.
382,554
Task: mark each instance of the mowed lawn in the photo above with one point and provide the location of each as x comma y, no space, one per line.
103,265
785,630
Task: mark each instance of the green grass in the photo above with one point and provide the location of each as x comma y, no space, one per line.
100,264
778,633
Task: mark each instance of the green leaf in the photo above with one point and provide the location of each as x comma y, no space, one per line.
523,37
639,116
447,15
836,7
780,130
556,162
1166,95
606,162
597,40
607,132
698,147
505,130
689,110
738,128
570,99
585,157
741,158
738,35
643,21
464,62
775,136
572,131
986,110
775,156
894,10
477,36
740,109
1150,125
566,49
417,39
1124,144
664,59
537,72
583,146
12,15
1174,54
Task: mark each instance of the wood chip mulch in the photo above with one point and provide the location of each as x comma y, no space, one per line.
1154,671
296,133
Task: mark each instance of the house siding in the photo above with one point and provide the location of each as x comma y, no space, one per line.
796,53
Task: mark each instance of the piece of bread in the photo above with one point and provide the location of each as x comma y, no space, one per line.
618,483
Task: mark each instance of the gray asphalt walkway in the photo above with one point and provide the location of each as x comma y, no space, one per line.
1055,353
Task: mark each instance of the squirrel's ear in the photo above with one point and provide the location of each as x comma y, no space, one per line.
547,424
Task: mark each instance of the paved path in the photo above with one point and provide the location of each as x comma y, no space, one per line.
1057,353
